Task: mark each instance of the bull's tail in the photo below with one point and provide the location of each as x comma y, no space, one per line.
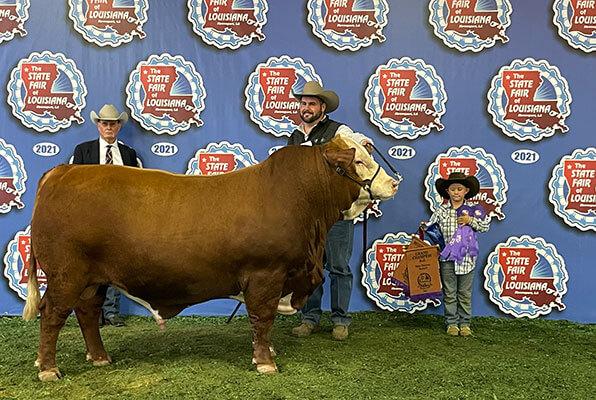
33,297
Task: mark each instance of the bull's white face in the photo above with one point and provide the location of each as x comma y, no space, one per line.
383,186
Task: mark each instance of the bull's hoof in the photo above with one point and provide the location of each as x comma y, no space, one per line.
267,368
100,362
271,350
52,374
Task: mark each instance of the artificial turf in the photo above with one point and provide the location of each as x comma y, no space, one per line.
387,356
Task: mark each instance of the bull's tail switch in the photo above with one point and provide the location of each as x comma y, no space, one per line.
33,297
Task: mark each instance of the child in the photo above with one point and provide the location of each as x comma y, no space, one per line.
458,222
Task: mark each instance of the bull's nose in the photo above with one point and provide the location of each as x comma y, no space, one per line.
394,185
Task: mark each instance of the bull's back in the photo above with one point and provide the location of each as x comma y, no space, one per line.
121,215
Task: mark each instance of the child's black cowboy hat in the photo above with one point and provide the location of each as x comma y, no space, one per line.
458,177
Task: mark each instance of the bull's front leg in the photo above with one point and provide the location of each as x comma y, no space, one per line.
262,298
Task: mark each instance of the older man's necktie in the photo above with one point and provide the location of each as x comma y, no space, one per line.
109,157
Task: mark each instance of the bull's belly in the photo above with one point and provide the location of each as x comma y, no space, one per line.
179,291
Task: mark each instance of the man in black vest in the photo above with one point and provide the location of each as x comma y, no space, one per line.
316,129
107,150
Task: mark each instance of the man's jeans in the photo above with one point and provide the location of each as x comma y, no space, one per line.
111,305
338,250
457,294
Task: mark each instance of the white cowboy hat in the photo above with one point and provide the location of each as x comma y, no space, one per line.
109,113
314,89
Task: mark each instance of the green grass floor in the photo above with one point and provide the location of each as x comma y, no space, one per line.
387,356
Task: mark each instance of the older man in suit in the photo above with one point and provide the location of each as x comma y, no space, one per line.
107,150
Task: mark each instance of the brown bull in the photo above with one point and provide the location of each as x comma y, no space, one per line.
169,241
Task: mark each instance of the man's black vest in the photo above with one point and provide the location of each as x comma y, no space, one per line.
320,134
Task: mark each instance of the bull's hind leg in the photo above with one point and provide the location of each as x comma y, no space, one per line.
53,317
88,311
57,304
262,298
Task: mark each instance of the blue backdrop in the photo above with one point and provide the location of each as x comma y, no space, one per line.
467,77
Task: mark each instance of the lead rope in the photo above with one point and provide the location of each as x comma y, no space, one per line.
365,216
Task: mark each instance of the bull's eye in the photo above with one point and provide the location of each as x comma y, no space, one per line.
359,162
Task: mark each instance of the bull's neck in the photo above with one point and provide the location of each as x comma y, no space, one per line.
332,195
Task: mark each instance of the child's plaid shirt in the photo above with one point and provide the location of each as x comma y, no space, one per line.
446,217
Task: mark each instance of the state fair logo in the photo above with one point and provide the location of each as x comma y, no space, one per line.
16,264
47,92
166,94
573,189
473,162
219,158
529,100
377,275
576,21
470,25
228,23
406,98
526,277
348,24
109,22
269,98
13,15
12,178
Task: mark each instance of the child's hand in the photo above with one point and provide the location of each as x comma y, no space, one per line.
464,219
422,225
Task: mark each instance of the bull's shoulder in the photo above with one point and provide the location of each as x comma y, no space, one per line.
293,152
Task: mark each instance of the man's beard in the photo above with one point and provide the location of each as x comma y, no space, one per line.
313,118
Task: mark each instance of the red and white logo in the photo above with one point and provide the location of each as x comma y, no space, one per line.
526,277
109,22
12,178
470,24
529,100
219,158
573,189
47,92
166,94
406,98
228,23
16,264
269,98
13,15
576,21
348,24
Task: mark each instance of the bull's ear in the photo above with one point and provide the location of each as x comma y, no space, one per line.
340,157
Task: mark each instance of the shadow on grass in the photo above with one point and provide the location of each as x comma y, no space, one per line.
185,341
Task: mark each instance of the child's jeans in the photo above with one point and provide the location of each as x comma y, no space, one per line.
457,294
